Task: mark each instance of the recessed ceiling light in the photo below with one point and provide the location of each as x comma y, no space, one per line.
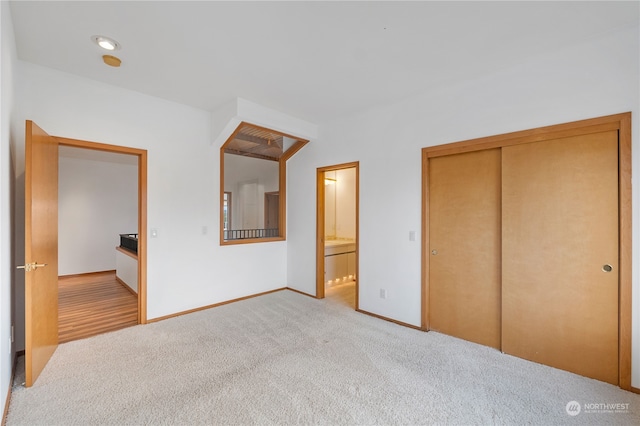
106,42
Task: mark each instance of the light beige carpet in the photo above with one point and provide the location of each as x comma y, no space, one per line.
284,358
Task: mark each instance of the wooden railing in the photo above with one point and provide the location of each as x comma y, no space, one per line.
245,234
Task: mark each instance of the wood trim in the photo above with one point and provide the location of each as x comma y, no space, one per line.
293,149
215,305
8,399
282,202
142,238
620,122
634,390
251,241
593,125
142,210
357,269
98,146
625,212
282,185
221,201
424,294
127,252
320,218
340,166
267,129
86,274
14,366
300,292
123,284
404,324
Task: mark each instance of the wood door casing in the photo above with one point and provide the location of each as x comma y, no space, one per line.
41,246
142,209
464,251
560,226
320,227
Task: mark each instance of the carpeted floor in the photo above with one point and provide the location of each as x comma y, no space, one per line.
285,358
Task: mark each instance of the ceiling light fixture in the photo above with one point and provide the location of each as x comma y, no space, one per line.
106,42
329,181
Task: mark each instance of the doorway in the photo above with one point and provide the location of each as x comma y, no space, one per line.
139,287
337,224
97,276
41,241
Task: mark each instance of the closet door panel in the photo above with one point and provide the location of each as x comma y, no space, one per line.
559,240
464,236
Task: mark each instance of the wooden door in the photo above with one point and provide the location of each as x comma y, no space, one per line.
464,231
271,210
560,253
41,248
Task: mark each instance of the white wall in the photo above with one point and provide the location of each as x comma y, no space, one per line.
97,201
7,61
186,268
592,79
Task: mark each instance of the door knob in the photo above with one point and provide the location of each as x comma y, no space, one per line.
434,252
31,266
607,268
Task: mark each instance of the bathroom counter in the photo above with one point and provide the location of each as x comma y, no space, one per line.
334,247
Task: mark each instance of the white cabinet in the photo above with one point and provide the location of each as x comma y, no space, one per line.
127,268
339,261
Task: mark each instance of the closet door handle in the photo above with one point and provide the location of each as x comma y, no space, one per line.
607,268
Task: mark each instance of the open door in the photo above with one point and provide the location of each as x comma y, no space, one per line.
41,250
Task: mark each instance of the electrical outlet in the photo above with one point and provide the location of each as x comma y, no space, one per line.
204,230
412,235
383,293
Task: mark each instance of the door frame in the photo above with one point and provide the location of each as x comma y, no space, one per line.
621,123
142,209
320,218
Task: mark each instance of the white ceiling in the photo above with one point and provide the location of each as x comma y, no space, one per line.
314,60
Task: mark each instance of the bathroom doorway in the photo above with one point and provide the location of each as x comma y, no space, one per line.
337,233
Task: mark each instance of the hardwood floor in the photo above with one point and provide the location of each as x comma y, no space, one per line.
92,304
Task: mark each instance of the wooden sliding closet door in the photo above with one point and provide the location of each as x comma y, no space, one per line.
464,235
560,253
